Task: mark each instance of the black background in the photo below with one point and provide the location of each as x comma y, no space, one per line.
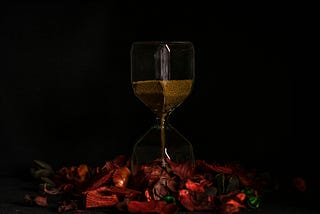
65,86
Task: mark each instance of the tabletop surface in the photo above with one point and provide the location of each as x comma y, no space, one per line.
13,188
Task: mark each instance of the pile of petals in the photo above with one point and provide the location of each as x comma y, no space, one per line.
224,189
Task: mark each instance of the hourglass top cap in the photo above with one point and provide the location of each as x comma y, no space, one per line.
163,42
156,42
180,46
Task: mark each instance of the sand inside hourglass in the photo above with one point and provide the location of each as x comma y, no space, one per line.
162,97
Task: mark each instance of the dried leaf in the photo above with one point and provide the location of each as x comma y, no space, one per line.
233,184
40,173
43,165
220,183
48,181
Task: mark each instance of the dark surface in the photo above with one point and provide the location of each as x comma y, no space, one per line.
14,189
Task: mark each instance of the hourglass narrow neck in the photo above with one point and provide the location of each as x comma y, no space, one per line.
162,120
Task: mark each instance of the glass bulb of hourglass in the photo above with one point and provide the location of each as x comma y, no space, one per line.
162,88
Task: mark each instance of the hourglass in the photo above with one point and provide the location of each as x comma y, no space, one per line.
162,76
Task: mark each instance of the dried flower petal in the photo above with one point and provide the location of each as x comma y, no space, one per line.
41,201
183,170
121,176
155,189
